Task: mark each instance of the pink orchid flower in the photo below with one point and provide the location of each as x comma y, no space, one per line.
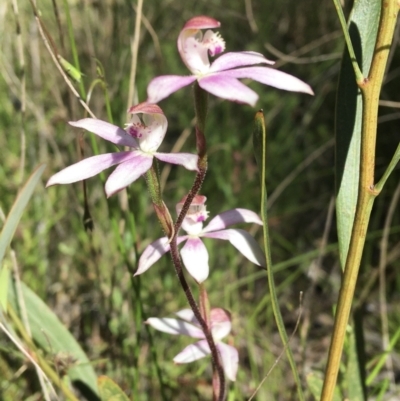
221,325
220,77
194,253
143,136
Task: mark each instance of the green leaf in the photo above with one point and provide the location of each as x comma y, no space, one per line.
17,209
382,360
51,335
109,390
363,26
353,372
4,280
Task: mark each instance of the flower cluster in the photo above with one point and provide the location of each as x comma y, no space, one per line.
143,136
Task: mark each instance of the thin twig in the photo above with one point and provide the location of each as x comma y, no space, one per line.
57,63
135,50
152,32
284,184
302,60
250,16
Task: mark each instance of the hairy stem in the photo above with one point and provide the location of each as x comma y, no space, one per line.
201,112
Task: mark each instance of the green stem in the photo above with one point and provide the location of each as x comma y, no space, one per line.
357,71
73,47
260,148
200,99
370,89
390,168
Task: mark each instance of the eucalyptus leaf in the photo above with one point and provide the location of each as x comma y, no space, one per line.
363,27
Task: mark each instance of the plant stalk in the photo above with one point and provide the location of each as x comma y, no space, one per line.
370,89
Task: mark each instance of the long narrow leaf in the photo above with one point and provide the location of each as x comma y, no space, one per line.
55,338
363,26
17,209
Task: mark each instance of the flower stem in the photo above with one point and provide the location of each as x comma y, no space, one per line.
201,101
260,150
204,305
200,97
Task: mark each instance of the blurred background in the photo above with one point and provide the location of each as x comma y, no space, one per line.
85,275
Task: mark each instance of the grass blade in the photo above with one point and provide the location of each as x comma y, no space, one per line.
55,338
17,209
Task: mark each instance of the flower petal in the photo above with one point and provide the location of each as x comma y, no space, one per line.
188,315
243,242
219,315
161,87
106,131
193,352
187,160
146,108
220,330
175,326
195,258
153,134
238,59
226,87
271,77
231,217
128,172
201,22
88,167
230,360
153,252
